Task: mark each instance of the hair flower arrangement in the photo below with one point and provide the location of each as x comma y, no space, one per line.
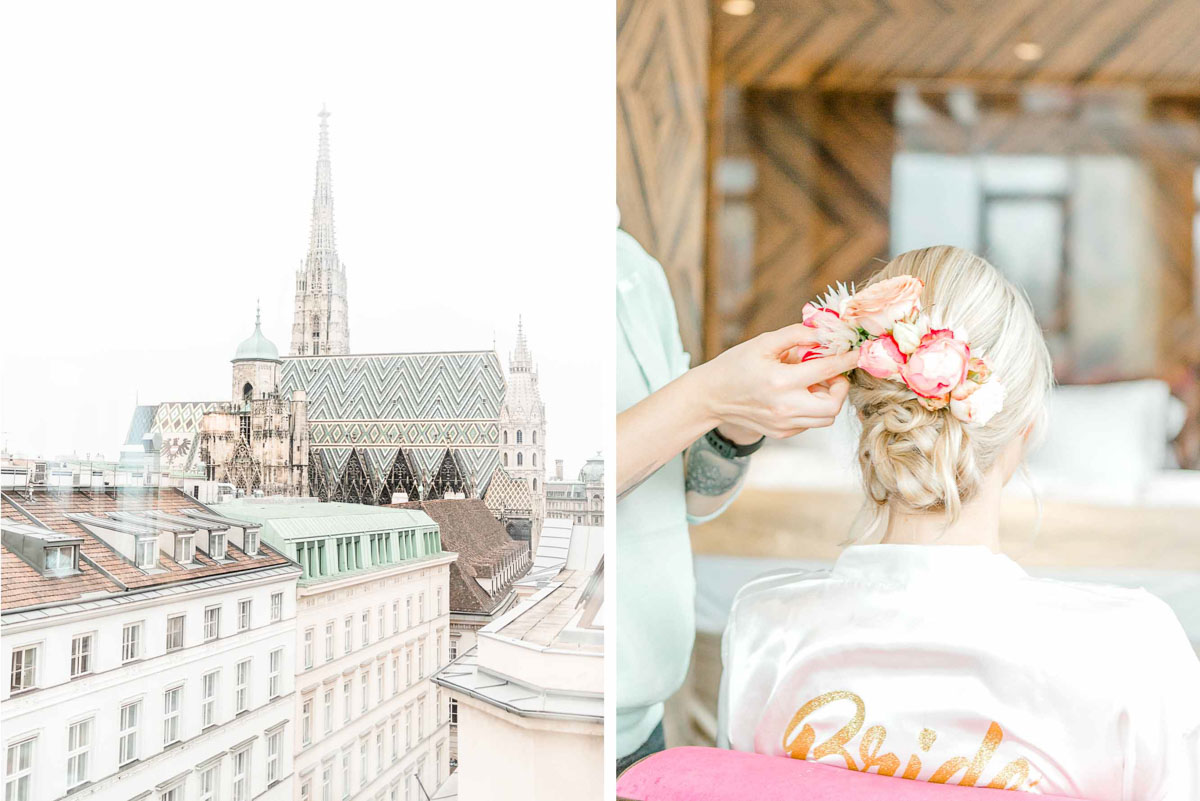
900,342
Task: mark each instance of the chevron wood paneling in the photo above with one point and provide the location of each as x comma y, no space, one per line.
662,88
823,163
872,44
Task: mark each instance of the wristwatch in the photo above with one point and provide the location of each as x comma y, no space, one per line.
728,448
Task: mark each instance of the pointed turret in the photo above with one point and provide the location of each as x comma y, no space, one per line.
321,325
322,244
520,360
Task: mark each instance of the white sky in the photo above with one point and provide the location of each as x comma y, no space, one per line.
160,175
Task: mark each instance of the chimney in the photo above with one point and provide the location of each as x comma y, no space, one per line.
558,469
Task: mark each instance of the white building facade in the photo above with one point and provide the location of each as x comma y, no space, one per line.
180,689
372,626
580,501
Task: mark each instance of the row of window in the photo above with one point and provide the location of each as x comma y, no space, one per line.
365,687
82,734
520,437
310,633
317,558
24,671
521,460
415,784
308,713
146,549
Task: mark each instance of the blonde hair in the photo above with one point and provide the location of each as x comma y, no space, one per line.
925,461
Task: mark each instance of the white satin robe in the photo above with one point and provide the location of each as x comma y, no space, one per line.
950,663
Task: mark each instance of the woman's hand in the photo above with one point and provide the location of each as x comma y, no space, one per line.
761,387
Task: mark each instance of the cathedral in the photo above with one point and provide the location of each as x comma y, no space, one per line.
372,429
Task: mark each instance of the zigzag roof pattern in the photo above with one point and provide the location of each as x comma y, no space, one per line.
411,386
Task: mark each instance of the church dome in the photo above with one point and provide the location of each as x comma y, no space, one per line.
592,470
257,347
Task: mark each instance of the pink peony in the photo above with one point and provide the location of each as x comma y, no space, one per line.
881,357
981,405
937,366
879,306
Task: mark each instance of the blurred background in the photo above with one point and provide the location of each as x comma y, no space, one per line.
768,148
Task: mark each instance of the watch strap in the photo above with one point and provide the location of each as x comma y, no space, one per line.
730,449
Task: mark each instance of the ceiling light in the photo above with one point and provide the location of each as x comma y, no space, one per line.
1028,51
738,8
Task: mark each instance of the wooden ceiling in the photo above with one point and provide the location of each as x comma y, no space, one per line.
874,44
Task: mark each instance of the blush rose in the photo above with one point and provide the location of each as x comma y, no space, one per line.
877,308
881,357
937,366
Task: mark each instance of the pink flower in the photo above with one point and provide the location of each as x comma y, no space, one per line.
834,335
879,306
937,366
817,317
981,405
881,357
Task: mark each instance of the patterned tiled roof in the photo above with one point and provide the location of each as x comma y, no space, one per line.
508,494
469,529
401,386
105,570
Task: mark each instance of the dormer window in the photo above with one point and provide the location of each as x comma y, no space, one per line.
251,548
185,549
147,553
216,545
61,559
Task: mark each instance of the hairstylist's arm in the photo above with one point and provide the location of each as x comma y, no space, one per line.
753,389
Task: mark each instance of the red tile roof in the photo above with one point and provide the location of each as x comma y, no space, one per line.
24,586
481,542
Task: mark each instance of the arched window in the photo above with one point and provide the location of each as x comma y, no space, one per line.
247,392
505,437
506,460
535,438
535,485
520,459
518,436
534,460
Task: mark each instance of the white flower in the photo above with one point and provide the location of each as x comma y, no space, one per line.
981,405
908,335
836,298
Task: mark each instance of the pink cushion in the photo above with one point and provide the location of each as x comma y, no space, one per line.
714,774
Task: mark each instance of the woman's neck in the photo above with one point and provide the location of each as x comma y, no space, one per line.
978,523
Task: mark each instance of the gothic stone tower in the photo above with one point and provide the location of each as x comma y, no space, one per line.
523,430
321,326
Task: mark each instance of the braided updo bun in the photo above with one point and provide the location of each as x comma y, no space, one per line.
919,460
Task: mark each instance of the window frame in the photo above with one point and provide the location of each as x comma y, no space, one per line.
127,742
172,718
182,618
82,659
27,669
22,777
78,756
131,646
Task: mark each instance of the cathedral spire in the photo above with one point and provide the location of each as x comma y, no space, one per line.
321,325
520,360
322,246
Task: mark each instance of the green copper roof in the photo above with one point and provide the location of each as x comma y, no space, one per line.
257,347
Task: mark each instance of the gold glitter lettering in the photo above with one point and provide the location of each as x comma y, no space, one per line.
991,741
835,745
869,748
1016,772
